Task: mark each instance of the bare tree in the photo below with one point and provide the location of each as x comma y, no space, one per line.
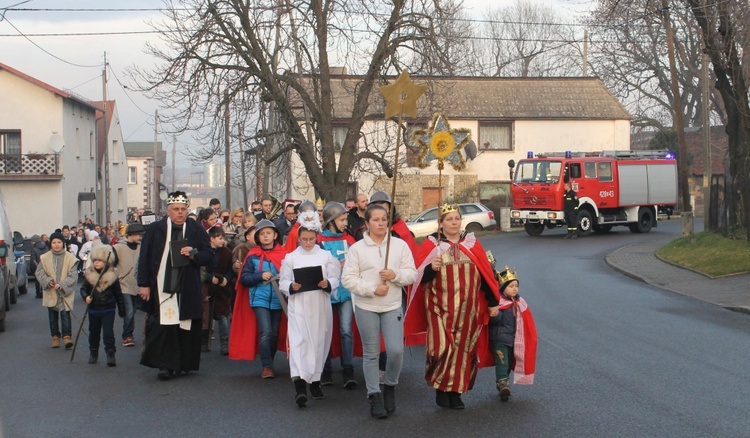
629,53
528,39
281,53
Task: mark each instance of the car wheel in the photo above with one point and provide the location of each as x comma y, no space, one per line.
585,224
645,220
24,289
533,229
2,322
14,295
7,298
473,227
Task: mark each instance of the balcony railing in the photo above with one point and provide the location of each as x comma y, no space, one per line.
29,164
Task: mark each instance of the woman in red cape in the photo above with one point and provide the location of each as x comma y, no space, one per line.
449,307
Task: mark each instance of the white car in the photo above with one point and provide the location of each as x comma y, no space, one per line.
474,217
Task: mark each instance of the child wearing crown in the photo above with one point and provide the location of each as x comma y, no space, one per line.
512,336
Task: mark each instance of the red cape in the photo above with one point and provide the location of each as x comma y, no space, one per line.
399,226
243,333
415,320
524,345
292,238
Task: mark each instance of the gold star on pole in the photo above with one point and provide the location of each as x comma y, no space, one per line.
401,96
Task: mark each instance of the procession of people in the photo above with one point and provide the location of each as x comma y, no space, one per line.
316,283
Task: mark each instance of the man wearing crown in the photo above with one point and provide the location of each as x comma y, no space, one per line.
449,306
172,251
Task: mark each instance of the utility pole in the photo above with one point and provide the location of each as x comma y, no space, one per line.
105,128
227,167
242,165
156,156
174,152
707,142
585,52
686,208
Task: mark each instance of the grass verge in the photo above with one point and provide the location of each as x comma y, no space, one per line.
710,253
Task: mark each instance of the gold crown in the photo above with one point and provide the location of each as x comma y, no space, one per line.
320,203
178,198
509,275
448,208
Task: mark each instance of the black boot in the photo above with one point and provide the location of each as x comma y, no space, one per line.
204,341
349,382
389,398
376,406
441,398
94,356
300,387
455,401
111,358
316,391
224,346
504,389
326,379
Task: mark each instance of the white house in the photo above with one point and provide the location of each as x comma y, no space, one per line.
507,117
48,170
142,176
113,184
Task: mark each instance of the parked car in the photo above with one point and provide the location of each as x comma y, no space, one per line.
474,217
2,301
7,256
22,271
27,256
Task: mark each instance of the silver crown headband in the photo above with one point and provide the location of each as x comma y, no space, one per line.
178,199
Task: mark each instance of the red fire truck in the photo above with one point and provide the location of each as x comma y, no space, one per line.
614,188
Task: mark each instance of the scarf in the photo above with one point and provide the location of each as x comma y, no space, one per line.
169,308
524,344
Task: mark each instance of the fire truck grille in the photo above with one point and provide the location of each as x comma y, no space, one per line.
536,201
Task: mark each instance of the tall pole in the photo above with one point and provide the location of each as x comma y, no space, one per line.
174,152
585,52
242,165
156,156
227,167
105,128
679,126
707,142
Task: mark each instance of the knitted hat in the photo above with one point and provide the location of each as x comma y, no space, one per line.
103,253
56,235
35,238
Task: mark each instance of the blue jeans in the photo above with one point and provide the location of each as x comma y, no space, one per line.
345,312
102,323
371,325
128,323
268,328
223,326
63,317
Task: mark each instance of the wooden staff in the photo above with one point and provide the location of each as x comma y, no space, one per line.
393,190
80,327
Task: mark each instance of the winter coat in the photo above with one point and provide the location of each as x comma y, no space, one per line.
126,258
502,328
338,245
261,295
104,289
361,275
152,247
45,272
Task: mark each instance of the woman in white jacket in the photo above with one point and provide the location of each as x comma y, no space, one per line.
376,295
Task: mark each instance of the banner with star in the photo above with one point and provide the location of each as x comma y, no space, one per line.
440,142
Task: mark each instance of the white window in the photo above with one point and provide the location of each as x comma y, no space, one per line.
115,152
120,199
132,175
10,142
495,136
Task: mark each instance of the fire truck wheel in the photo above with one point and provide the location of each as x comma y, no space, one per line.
645,220
585,224
533,229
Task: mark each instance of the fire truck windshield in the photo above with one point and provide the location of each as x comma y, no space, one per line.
538,171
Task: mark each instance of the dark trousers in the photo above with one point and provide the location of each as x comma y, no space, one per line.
570,219
102,321
55,319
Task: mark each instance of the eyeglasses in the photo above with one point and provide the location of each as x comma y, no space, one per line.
307,239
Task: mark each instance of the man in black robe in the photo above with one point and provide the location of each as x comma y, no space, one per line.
172,252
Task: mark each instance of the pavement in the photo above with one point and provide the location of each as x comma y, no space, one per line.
640,262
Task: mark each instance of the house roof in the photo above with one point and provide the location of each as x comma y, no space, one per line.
50,88
471,98
145,149
697,151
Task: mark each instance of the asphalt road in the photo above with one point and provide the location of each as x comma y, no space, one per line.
616,358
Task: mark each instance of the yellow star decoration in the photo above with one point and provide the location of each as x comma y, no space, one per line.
401,96
442,143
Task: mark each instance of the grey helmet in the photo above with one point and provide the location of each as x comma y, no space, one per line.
331,211
380,196
307,206
265,223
